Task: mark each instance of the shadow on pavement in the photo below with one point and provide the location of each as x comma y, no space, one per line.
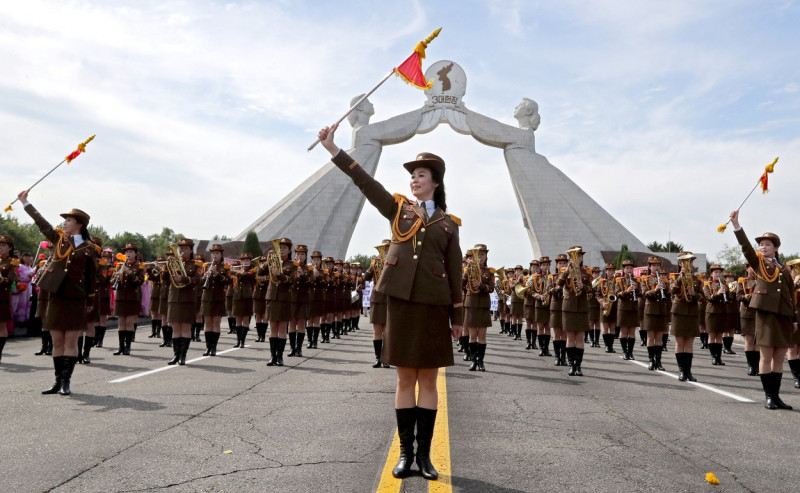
109,403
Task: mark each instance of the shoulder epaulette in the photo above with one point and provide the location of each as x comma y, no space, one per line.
296,263
228,266
198,263
455,219
98,249
142,266
400,198
103,262
14,261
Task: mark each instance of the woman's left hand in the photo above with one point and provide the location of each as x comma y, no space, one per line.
456,330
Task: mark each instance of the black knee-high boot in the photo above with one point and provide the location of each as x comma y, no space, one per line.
209,339
528,338
579,361
473,351
88,342
651,358
121,337
377,344
481,354
273,351
245,330
129,335
728,343
292,344
571,360
664,340
609,340
66,375
238,330
152,329
80,349
753,358
406,419
299,344
547,344
659,350
231,325
58,366
176,347
184,350
99,335
426,420
279,353
794,366
46,339
643,337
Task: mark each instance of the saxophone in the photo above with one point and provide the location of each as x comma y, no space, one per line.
175,267
474,273
608,296
274,261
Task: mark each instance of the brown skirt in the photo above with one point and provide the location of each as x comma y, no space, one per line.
556,321
242,307
575,321
127,308
300,311
279,311
716,323
214,309
772,330
417,335
65,314
377,313
259,306
181,313
318,309
594,314
543,315
684,326
627,318
656,323
517,308
748,326
477,317
611,318
41,304
529,312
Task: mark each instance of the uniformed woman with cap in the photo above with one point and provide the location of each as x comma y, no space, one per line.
377,309
716,294
316,300
182,301
154,276
163,303
41,303
243,278
216,279
556,319
260,299
744,292
732,311
542,310
594,311
517,303
8,275
576,284
329,299
529,308
628,292
70,278
655,292
477,306
127,280
422,284
97,319
686,289
301,298
279,302
604,293
776,309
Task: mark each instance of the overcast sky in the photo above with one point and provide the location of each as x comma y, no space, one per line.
664,112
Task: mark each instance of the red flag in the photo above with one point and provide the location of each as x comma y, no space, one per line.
764,183
73,155
411,69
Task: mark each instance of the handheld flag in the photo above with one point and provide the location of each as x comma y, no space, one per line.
762,181
72,155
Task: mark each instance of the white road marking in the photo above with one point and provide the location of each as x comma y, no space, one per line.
168,367
701,385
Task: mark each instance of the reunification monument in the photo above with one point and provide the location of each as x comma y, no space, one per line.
322,211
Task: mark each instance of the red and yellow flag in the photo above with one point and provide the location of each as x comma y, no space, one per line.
77,152
764,180
411,69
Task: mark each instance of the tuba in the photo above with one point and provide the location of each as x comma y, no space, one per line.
474,273
687,279
575,270
522,289
274,261
498,286
175,267
377,267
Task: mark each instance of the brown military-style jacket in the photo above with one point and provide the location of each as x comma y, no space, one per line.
80,265
375,296
188,294
301,288
744,290
679,304
715,302
624,298
556,292
654,302
425,268
217,282
8,271
572,302
482,298
129,282
775,297
283,290
243,285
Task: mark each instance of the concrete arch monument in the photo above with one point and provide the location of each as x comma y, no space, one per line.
322,211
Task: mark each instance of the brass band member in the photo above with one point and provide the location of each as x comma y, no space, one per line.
329,292
686,289
556,318
463,336
701,314
716,293
732,312
163,302
301,297
216,279
594,311
655,291
70,280
502,298
377,303
8,275
507,289
605,294
182,300
529,307
95,322
341,296
199,324
317,300
260,300
517,303
152,271
542,309
243,280
576,284
422,284
776,309
355,307
744,292
41,303
477,314
628,293
793,354
279,302
127,282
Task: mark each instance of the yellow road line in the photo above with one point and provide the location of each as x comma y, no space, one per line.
440,450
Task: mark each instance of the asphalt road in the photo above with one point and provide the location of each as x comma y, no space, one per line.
324,423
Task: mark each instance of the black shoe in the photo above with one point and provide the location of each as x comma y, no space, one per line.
406,419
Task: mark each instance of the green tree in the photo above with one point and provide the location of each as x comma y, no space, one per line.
101,233
731,259
220,238
161,241
656,246
26,235
362,259
252,245
118,242
624,254
669,246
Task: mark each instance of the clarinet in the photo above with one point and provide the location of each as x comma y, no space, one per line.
633,283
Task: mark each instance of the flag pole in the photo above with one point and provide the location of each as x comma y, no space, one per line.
352,108
769,169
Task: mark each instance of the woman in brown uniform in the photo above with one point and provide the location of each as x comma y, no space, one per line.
260,299
501,288
126,282
70,278
422,282
8,275
216,279
776,309
542,306
95,321
517,303
343,297
744,292
686,289
301,298
463,336
608,305
717,295
317,300
477,314
41,303
594,310
732,311
243,279
793,354
279,301
655,292
163,303
628,292
355,307
529,307
182,300
329,284
576,284
377,303
154,276
701,313
556,318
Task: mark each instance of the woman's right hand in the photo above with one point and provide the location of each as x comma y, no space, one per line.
735,219
23,196
326,139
